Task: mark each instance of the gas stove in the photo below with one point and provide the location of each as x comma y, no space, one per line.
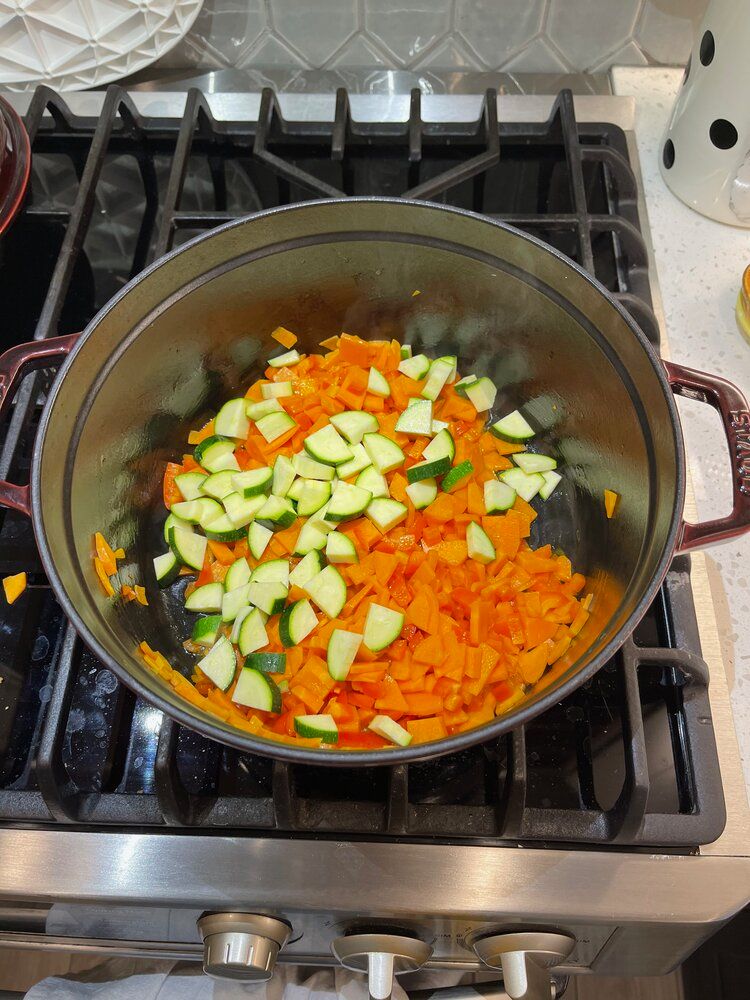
617,820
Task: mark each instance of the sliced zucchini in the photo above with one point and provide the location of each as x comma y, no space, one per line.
463,384
551,479
347,502
269,597
216,453
206,630
238,574
273,571
360,460
276,390
428,470
166,568
382,627
219,485
377,383
173,521
261,409
320,520
340,549
233,602
405,351
276,513
295,490
498,496
422,493
219,664
526,485
416,419
386,513
451,360
327,446
241,511
513,428
308,468
190,483
457,476
252,633
531,462
482,394
310,538
257,690
342,652
258,537
231,420
253,481
374,481
237,623
205,599
383,725
308,567
189,547
197,511
286,360
320,727
296,623
441,371
224,530
354,424
384,454
439,425
267,663
274,425
328,590
440,446
313,495
415,367
479,544
283,476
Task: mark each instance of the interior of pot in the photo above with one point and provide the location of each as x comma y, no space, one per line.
195,330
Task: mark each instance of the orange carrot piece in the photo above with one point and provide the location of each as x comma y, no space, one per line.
284,337
109,590
426,730
610,502
15,585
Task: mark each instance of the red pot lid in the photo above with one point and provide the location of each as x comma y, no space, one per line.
15,163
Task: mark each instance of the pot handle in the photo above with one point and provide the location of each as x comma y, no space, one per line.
14,364
735,415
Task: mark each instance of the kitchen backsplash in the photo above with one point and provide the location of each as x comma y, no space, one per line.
438,35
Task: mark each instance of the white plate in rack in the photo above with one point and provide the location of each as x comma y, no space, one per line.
75,44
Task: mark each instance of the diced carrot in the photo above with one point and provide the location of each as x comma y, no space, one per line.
15,585
610,502
109,590
222,552
426,730
284,337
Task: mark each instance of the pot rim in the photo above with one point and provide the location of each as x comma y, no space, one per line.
389,756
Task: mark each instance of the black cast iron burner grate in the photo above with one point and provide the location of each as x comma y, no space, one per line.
629,759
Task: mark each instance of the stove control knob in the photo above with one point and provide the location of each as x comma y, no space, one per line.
241,946
381,956
525,958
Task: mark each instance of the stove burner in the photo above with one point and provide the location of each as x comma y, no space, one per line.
629,759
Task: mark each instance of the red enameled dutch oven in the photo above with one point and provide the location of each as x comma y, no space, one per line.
193,330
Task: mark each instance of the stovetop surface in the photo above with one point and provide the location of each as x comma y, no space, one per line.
628,760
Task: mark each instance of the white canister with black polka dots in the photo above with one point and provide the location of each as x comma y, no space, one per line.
705,154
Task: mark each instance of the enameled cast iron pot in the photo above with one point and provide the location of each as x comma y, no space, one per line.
193,330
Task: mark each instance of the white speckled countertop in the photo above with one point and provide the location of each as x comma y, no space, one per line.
699,264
